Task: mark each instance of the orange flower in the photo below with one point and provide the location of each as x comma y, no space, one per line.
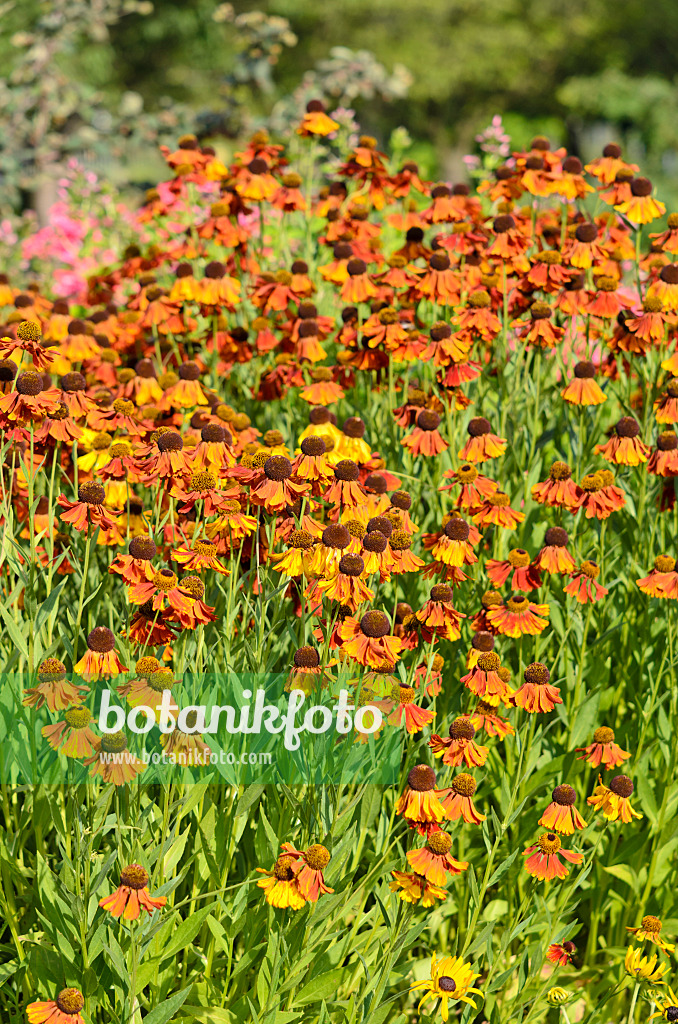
543,860
666,406
414,717
484,716
539,330
641,207
525,577
614,800
308,867
100,659
433,861
474,486
200,556
275,490
358,286
420,803
65,1009
453,547
113,761
482,444
625,448
496,510
518,617
583,586
89,509
561,955
536,695
459,748
663,580
559,490
72,737
346,586
439,617
561,815
584,390
132,895
485,680
603,750
413,888
425,439
599,498
316,121
53,688
368,640
458,802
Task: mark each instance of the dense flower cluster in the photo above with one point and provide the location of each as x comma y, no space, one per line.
155,422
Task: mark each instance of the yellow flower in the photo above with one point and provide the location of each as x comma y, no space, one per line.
557,996
650,929
451,978
644,968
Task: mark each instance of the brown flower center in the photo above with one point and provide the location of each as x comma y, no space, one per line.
134,876
317,857
622,786
549,842
421,778
439,843
464,784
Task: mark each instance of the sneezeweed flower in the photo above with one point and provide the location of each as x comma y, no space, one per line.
28,342
650,929
413,888
537,695
309,866
543,859
614,800
664,458
484,680
132,895
496,510
459,748
454,546
458,800
561,815
136,565
484,716
200,556
482,444
403,560
306,673
561,954
583,586
642,968
65,1009
519,617
89,509
663,580
625,448
525,576
426,439
420,802
345,490
72,736
346,585
451,979
474,487
53,689
113,761
281,886
296,559
599,497
434,861
368,640
603,750
641,207
438,616
100,660
583,389
406,711
559,490
328,553
152,680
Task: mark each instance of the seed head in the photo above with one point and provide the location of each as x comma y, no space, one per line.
375,624
464,784
421,778
92,493
317,857
101,639
70,1001
134,876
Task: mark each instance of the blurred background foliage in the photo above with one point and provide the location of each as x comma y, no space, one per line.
107,80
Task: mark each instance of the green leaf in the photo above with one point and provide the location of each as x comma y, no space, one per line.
165,1011
323,987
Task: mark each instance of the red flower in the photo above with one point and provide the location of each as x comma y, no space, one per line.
88,510
543,860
